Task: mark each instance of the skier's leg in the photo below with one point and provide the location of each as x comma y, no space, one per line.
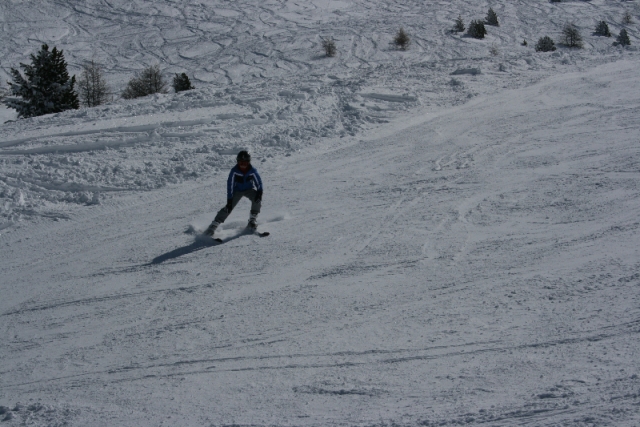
255,208
223,214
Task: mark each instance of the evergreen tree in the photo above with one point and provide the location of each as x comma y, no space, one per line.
572,37
602,29
329,46
46,88
458,27
147,82
492,18
477,30
545,44
181,82
401,40
92,85
623,38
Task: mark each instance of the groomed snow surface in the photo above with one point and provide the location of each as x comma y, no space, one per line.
448,247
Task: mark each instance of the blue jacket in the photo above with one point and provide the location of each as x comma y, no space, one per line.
239,181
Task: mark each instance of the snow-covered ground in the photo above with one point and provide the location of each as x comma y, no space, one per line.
446,248
262,81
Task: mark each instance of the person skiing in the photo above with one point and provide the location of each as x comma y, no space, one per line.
244,181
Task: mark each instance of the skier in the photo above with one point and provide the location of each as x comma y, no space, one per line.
244,181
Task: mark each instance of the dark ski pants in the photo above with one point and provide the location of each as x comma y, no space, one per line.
249,194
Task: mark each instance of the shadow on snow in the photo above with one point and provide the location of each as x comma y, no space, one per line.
185,250
201,242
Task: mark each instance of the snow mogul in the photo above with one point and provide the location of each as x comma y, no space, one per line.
244,181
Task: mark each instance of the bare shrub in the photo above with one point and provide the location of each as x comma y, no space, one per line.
146,82
572,37
92,86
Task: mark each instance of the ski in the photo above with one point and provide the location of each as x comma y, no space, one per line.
255,231
248,232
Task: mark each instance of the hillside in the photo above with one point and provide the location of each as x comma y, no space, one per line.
445,249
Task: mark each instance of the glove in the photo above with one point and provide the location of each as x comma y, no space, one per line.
258,198
229,205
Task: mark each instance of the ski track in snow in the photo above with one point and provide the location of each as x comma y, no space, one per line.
263,83
441,252
523,310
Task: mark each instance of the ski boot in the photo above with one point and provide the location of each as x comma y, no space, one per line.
253,222
212,229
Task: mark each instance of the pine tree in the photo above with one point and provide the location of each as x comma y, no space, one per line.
492,18
623,38
46,88
401,40
572,37
329,47
147,82
545,44
181,83
92,85
602,29
477,30
458,27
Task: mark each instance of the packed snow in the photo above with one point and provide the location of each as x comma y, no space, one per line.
454,228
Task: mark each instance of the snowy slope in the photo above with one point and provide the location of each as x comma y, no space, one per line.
445,249
479,265
262,82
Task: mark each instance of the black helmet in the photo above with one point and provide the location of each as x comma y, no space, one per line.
243,156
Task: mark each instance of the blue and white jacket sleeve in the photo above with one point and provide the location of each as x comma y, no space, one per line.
230,184
258,180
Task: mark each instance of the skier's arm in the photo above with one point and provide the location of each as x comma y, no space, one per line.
258,181
258,197
230,185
